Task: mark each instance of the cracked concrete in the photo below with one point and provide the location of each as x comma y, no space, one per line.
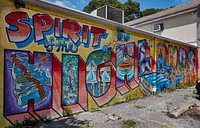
148,112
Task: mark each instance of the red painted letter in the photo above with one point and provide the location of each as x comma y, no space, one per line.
97,32
42,22
71,28
57,27
22,31
85,34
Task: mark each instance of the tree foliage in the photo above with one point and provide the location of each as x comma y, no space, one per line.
94,4
131,10
150,11
130,7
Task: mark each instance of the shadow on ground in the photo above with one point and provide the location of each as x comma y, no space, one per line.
67,122
193,113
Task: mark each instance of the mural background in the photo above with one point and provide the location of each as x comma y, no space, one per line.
80,64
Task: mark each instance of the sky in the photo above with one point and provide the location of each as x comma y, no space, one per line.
144,4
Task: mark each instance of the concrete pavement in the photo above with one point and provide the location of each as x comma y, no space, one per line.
147,112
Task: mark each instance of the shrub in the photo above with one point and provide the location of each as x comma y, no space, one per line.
67,112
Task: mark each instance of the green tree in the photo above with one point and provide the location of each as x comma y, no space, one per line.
131,8
150,11
94,4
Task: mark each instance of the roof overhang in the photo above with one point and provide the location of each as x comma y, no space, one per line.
73,12
165,17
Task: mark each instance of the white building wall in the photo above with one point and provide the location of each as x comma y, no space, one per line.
182,27
186,33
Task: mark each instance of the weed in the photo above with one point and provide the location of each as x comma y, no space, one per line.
27,122
116,116
67,112
95,110
173,88
129,124
76,113
170,103
113,115
186,97
119,118
194,97
194,92
88,126
139,107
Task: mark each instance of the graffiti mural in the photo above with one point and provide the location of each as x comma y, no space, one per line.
53,62
124,64
94,87
161,56
69,80
164,70
173,60
101,75
190,70
145,65
27,80
145,60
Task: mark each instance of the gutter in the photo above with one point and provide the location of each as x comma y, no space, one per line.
73,12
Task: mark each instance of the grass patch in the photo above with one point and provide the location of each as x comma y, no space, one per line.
129,124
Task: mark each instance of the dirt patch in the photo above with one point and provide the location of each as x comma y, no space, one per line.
193,113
